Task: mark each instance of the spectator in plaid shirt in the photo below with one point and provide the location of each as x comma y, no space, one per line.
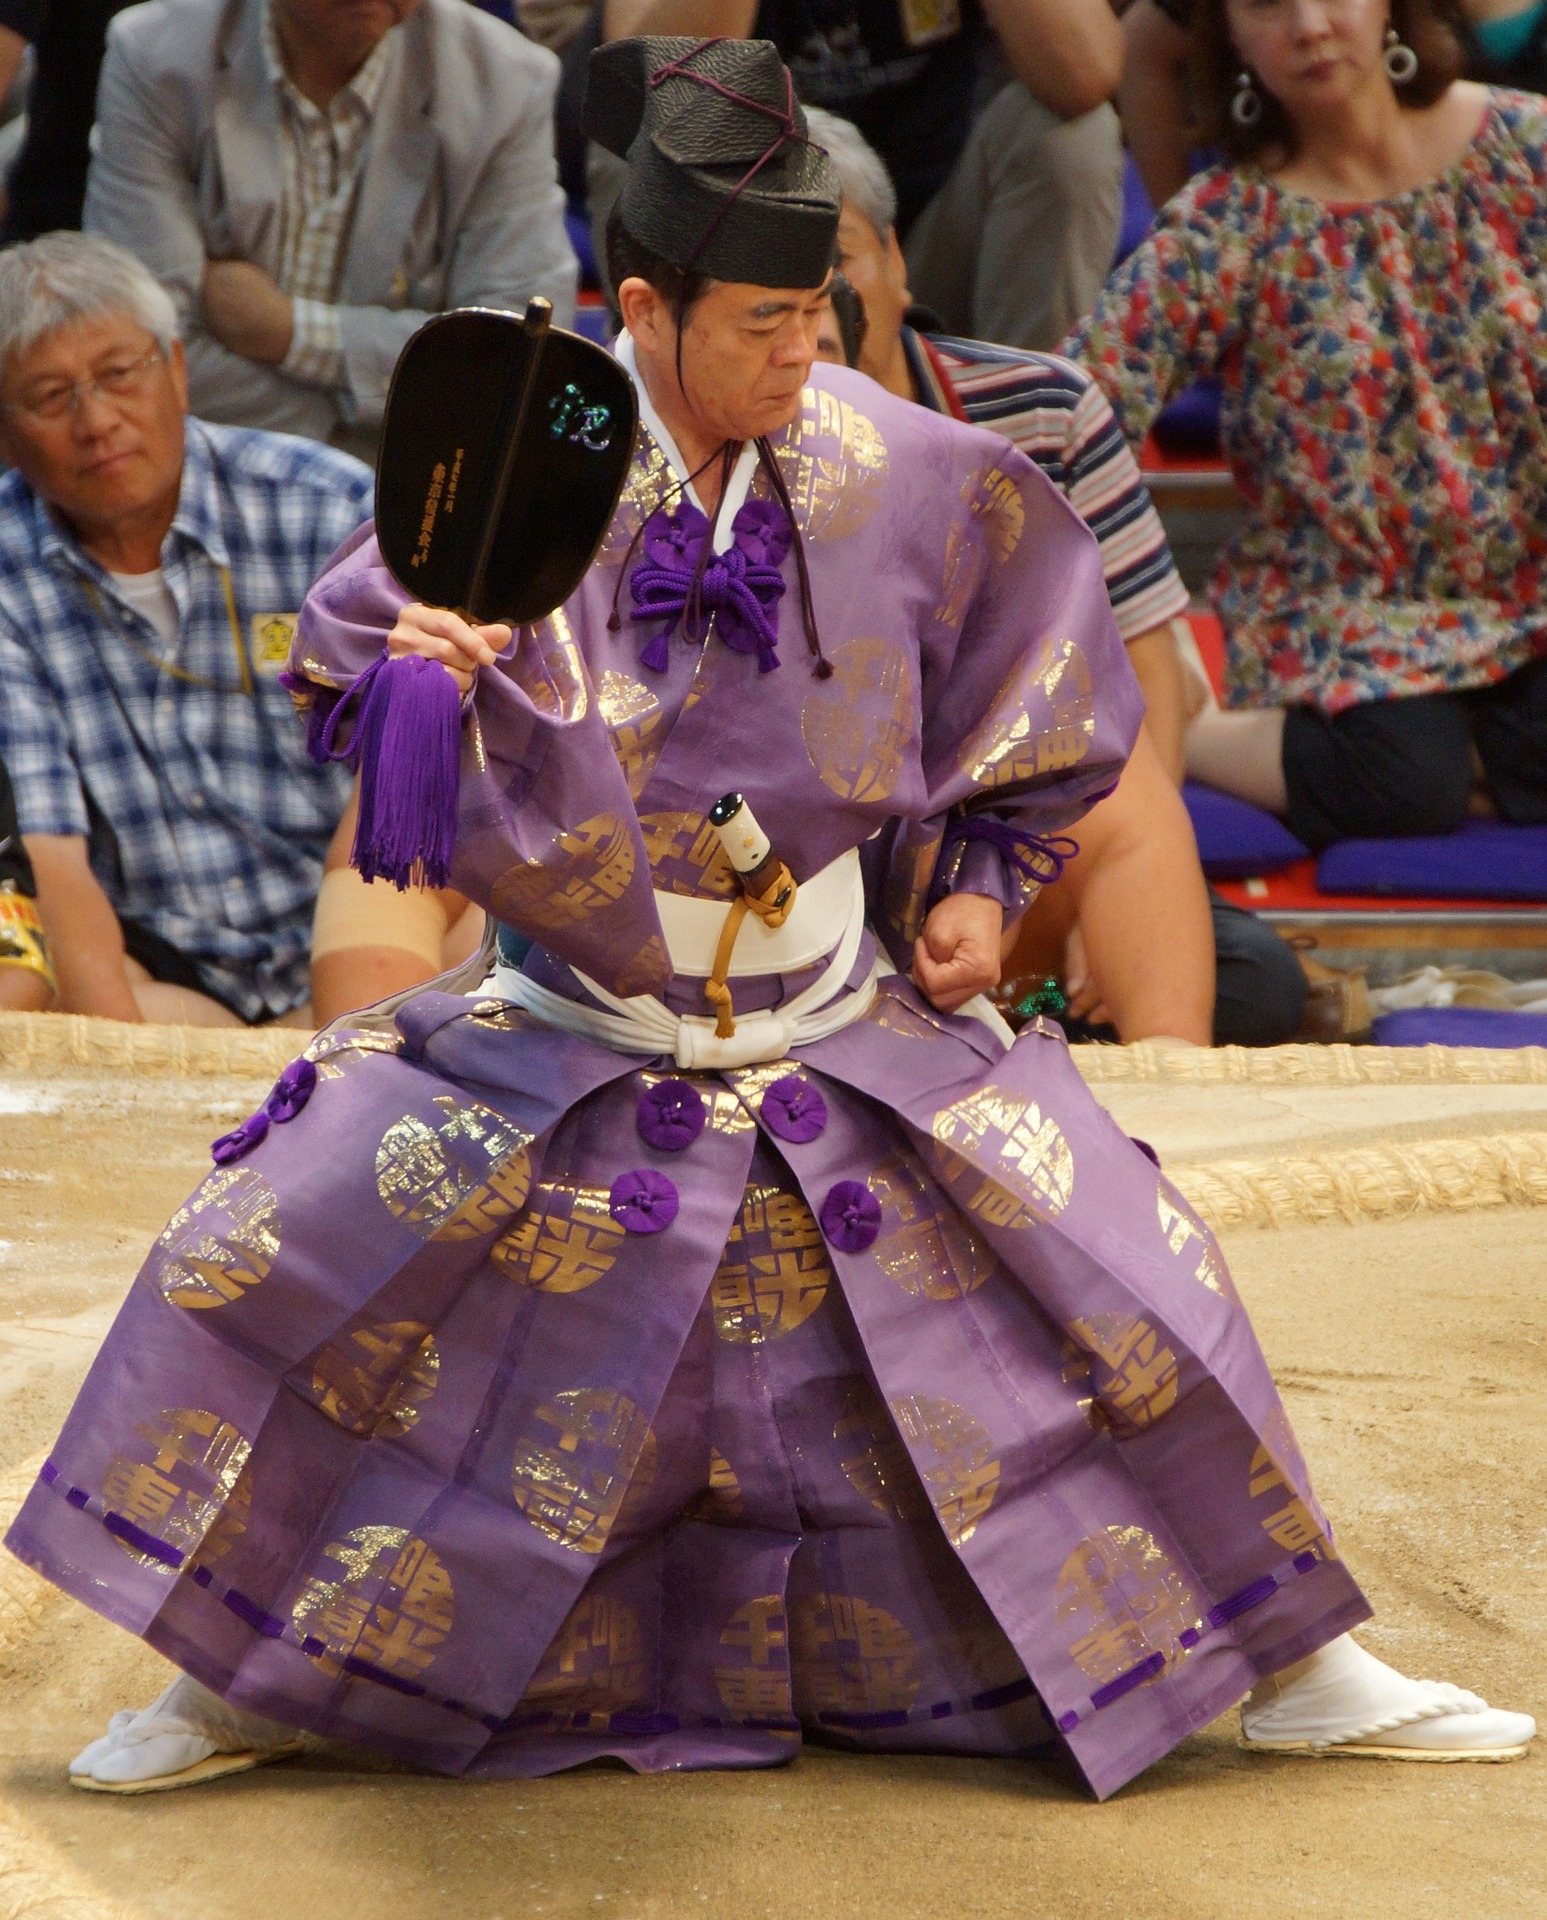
151,567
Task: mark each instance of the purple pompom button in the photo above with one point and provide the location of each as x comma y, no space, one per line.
851,1216
292,1090
643,1201
670,1115
792,1109
241,1140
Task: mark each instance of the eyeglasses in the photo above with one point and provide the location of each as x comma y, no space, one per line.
121,379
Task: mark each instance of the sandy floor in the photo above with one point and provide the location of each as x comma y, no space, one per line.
1413,1354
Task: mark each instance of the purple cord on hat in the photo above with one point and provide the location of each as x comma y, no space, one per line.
851,1216
643,1201
670,1115
794,1110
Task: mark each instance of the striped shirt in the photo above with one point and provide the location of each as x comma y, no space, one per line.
322,157
1059,418
185,770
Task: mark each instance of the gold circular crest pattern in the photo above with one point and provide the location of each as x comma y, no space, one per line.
221,1244
924,1244
1013,1145
859,724
720,1502
871,1453
1127,1600
834,463
1010,747
379,1595
566,1239
849,1656
636,720
1133,1373
572,1470
182,1474
1280,1489
685,855
376,1380
598,1665
752,1665
774,1272
457,1177
1192,1243
587,868
954,1455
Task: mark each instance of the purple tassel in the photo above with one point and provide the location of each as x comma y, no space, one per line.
408,745
1032,856
321,707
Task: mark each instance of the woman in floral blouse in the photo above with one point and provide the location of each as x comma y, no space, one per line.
1367,280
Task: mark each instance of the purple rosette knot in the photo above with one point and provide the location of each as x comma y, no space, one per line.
643,1201
681,582
794,1110
850,1216
670,1115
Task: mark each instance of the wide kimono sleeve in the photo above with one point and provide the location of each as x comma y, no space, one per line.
1030,707
1173,311
547,837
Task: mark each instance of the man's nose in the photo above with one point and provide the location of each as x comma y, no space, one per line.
91,415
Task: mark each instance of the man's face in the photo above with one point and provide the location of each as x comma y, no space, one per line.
875,269
746,354
104,453
348,28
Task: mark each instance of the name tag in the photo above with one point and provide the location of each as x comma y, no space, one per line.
926,21
269,637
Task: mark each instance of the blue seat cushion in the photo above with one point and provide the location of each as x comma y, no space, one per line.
1460,1027
1484,860
1235,839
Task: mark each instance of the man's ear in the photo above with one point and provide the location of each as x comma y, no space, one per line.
645,315
177,361
897,266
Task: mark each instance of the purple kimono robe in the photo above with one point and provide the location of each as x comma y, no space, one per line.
515,1401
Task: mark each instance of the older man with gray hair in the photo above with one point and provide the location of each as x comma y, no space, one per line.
151,569
1130,929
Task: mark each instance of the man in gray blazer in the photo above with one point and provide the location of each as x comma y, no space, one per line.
310,180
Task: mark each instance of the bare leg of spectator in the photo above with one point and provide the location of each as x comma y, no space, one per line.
1014,247
1240,753
169,1006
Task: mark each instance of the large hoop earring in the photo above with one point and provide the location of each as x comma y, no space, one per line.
1246,102
1400,62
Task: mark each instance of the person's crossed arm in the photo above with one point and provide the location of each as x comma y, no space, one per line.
1066,53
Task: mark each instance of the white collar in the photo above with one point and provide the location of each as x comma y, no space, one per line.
740,482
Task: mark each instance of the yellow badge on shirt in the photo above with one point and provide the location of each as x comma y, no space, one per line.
926,21
270,637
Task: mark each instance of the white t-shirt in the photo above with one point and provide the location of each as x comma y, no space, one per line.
151,598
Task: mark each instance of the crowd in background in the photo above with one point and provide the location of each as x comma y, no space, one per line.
224,218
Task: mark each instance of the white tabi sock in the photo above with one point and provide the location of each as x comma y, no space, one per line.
1344,1697
185,1725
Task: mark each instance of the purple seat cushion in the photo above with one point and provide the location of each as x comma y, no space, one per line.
1138,211
1460,1027
1235,839
1484,860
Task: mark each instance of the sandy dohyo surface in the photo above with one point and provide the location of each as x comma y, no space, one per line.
1413,1355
